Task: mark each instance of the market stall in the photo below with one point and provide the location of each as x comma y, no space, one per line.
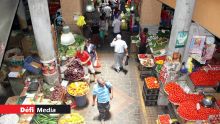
30,88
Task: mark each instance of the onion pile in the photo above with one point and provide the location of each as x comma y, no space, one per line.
57,94
74,71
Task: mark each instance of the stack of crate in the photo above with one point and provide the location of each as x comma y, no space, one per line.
150,95
146,71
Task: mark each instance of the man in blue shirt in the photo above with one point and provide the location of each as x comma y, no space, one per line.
104,92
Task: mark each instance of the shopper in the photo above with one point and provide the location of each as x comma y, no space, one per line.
102,30
103,91
116,24
91,49
86,62
95,33
120,50
108,11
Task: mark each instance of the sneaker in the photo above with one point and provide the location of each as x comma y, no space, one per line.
125,71
97,72
117,70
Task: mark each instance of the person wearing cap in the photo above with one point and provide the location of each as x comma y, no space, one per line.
103,91
120,50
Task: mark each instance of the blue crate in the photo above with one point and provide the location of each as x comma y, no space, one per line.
29,67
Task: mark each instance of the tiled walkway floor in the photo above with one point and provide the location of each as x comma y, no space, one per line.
127,106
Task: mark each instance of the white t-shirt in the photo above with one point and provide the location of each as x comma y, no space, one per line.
116,24
120,46
107,10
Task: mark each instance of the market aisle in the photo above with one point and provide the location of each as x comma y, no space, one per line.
125,106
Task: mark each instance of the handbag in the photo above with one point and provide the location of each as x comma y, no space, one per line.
126,60
97,64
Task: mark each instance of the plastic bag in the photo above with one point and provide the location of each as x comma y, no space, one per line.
97,64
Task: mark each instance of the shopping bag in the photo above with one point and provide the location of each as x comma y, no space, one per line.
126,60
97,64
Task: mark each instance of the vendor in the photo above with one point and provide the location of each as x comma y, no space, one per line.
86,62
143,37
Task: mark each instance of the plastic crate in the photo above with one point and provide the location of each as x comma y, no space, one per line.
150,102
151,96
17,61
29,67
143,68
150,91
144,75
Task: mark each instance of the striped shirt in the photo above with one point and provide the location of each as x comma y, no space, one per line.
102,93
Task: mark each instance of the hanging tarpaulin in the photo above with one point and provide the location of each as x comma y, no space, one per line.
81,21
197,44
181,39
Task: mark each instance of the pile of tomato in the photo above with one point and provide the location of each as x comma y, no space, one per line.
187,103
188,111
178,98
164,119
152,83
177,95
203,78
142,56
172,88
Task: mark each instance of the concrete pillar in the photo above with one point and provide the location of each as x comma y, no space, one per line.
69,8
22,16
43,36
181,22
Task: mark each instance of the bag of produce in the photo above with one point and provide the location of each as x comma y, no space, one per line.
97,64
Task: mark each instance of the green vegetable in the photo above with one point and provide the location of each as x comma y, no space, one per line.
45,119
52,122
79,40
36,121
